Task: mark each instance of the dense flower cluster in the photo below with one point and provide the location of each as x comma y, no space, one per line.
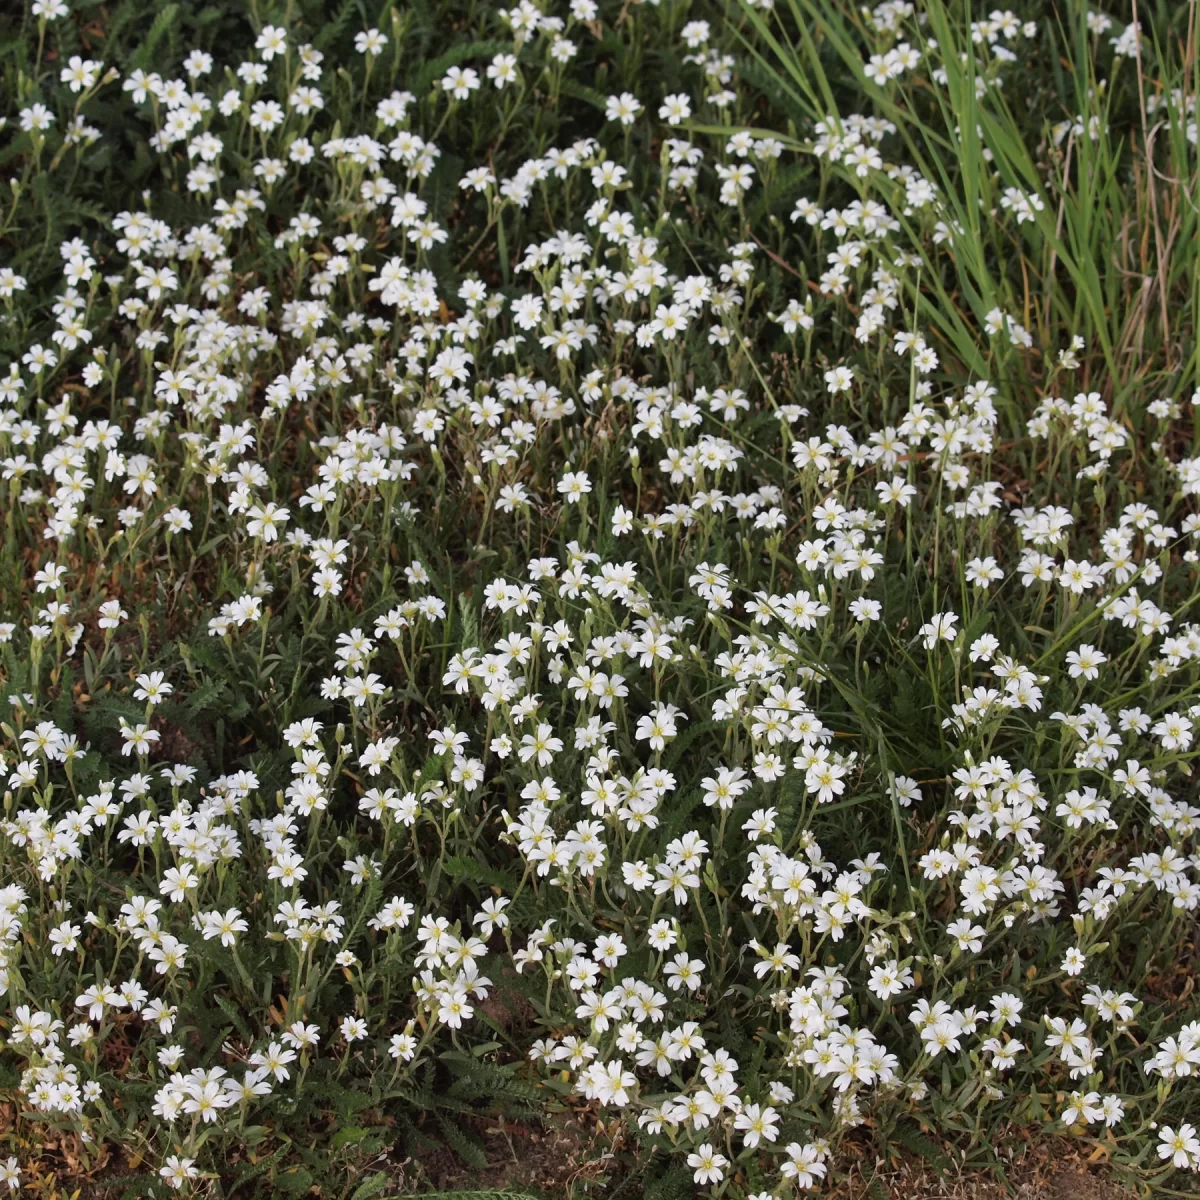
434,578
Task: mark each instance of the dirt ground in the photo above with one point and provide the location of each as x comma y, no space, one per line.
1035,1178
573,1161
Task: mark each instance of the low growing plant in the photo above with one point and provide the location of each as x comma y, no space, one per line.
632,557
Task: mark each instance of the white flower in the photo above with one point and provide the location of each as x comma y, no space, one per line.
371,42
623,108
1181,1146
708,1166
178,1171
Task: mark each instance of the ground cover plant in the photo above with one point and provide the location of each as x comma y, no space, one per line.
632,560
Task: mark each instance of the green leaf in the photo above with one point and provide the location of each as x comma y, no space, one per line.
348,1135
465,1145
232,1012
371,1187
298,1179
476,1195
164,23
